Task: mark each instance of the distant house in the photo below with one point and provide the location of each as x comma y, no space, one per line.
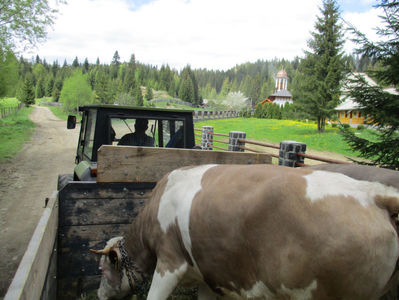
265,101
350,112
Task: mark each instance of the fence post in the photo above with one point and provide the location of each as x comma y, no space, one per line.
207,138
288,153
234,144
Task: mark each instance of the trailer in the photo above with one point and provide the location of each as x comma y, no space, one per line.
83,215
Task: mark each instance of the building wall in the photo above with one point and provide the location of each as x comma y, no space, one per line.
351,117
282,101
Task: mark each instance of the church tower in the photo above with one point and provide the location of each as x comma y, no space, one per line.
281,81
281,94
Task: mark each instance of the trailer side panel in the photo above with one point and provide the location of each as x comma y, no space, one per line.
89,214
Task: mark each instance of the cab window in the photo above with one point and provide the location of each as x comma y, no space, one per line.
89,137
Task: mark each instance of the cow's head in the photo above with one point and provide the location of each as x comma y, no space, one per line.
119,274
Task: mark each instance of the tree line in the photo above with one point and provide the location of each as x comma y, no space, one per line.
132,82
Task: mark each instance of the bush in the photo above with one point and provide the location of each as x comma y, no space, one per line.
333,125
345,125
360,127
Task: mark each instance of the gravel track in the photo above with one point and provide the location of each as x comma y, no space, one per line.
26,181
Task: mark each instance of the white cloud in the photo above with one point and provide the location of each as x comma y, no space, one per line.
365,22
213,34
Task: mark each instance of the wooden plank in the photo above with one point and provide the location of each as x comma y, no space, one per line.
145,164
86,223
84,288
99,211
31,274
49,291
76,260
112,190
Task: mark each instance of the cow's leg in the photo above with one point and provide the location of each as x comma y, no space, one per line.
165,281
205,293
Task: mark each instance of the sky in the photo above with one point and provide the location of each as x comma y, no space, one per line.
211,34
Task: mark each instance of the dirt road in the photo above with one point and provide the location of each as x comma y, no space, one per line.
26,181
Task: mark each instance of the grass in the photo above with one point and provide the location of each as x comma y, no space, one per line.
9,102
15,129
59,112
275,131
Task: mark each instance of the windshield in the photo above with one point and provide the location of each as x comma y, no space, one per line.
147,132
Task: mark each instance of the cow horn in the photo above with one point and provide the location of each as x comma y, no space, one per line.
105,251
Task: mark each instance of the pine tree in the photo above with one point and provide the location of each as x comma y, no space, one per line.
381,107
188,86
86,66
129,81
40,90
115,63
149,95
28,92
57,89
49,86
138,96
225,87
101,87
186,91
321,71
75,62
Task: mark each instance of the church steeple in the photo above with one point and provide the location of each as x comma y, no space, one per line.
281,81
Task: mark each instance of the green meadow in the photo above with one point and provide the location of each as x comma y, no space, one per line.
275,131
9,102
15,129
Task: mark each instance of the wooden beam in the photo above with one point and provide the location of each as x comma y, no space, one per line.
145,164
31,274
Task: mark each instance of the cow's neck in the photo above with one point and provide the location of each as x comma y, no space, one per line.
138,246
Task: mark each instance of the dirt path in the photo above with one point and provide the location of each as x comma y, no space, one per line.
26,181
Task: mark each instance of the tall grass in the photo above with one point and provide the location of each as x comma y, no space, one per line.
9,102
275,131
15,129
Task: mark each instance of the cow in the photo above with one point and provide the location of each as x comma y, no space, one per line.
257,232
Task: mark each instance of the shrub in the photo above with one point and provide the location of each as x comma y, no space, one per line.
360,127
333,125
345,125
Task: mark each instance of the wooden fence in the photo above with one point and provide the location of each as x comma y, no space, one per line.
6,111
204,115
291,153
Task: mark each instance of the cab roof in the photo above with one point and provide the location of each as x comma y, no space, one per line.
132,108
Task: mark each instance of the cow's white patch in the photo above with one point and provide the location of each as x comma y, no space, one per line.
260,291
300,294
321,184
177,199
163,285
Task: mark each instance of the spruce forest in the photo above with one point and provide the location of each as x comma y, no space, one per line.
134,83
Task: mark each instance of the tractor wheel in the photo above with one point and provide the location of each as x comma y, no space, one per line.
63,180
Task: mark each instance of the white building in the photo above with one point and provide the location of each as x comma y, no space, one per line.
281,94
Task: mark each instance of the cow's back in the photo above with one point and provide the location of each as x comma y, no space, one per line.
261,230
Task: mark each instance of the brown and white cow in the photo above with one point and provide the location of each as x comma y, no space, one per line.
258,232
